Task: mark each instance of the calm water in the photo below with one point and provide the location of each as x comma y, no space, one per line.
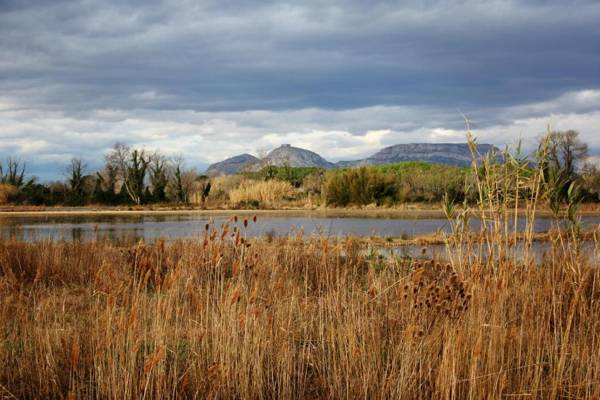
152,227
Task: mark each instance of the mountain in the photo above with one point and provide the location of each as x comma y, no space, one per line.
457,154
231,165
295,157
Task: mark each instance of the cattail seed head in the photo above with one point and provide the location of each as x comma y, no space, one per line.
74,356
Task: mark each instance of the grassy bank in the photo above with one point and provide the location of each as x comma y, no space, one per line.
289,318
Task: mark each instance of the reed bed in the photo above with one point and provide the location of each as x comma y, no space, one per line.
261,192
223,317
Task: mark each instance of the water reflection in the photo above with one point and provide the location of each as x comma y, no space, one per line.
151,227
540,251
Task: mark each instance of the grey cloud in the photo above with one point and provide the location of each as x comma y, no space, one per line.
204,137
77,75
272,55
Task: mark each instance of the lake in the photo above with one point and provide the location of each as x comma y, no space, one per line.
148,226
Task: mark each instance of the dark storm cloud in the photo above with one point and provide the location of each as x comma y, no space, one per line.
233,76
274,55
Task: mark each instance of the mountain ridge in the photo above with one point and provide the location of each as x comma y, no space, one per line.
231,165
456,154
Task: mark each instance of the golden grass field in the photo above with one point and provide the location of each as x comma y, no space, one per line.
223,317
288,318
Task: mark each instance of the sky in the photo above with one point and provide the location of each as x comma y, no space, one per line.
212,79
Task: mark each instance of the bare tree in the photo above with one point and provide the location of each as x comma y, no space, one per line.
14,174
266,164
107,178
131,165
182,181
567,150
263,157
563,153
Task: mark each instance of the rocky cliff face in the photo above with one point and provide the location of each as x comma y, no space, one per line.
231,165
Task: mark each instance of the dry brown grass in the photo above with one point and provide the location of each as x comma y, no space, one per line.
261,192
290,318
226,318
6,192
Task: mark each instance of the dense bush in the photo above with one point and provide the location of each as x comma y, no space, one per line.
403,182
359,186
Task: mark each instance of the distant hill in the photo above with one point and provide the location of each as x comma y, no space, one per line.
457,154
294,157
231,165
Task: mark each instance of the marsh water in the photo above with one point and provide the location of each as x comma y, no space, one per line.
149,227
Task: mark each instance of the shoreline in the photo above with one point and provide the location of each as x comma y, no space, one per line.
325,212
393,213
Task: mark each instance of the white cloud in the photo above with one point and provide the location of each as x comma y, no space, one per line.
205,137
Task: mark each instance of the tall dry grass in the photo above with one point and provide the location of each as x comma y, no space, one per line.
261,192
228,318
6,192
223,317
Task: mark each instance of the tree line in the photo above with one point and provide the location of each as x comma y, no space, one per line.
129,176
135,176
563,156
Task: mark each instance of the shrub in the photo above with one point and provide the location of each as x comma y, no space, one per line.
7,192
403,182
313,183
222,185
